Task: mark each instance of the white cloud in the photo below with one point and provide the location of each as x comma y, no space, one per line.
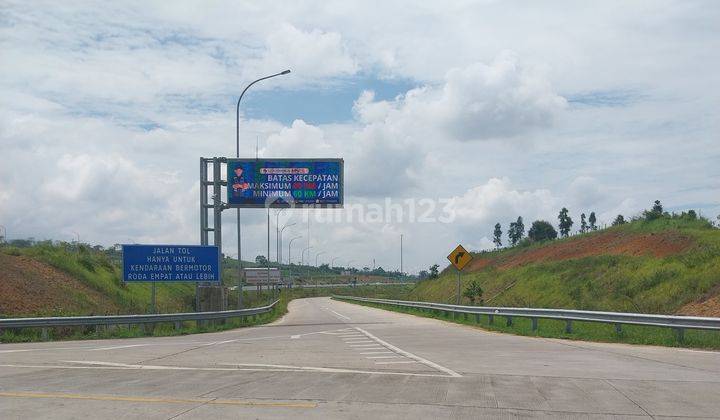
497,200
585,192
313,54
477,102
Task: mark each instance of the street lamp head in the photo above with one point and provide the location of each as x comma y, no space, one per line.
285,72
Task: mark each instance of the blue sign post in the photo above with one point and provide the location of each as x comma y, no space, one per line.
258,183
171,263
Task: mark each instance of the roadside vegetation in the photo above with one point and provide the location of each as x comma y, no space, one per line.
192,327
586,331
655,263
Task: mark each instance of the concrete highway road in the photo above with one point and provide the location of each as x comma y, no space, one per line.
329,359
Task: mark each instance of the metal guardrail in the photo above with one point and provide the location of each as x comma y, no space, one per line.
48,322
618,318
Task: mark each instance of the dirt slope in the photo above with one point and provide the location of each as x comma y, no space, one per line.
53,292
708,305
603,243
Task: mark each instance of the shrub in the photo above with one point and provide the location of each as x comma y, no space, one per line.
541,231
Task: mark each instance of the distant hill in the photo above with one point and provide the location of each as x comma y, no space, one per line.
668,265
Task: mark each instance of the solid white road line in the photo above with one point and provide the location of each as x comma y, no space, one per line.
377,352
411,356
382,357
119,347
327,332
397,362
339,314
237,368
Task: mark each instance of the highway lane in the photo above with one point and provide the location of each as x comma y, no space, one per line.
329,359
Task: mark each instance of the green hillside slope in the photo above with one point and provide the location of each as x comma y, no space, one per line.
668,265
47,279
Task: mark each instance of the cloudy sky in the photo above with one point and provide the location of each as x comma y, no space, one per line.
499,108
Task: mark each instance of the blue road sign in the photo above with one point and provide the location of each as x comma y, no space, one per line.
285,182
170,263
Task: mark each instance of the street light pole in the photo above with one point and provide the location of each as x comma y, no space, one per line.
302,260
281,239
316,257
277,236
401,255
267,260
332,262
237,155
302,256
289,245
316,265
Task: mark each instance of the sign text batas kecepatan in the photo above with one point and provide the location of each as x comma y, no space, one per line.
255,183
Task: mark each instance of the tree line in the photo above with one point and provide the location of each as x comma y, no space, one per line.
542,230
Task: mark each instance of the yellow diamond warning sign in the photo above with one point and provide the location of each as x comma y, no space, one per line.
459,257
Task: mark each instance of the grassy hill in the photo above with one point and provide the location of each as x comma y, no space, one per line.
58,280
61,279
668,265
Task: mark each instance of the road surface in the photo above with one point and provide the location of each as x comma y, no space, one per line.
329,359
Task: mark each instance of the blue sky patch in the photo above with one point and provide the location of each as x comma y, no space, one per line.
606,98
319,105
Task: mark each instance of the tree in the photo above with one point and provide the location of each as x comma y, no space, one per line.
497,236
619,220
516,231
592,219
511,233
655,213
541,231
423,274
520,228
565,222
434,271
583,224
692,215
657,207
473,291
260,259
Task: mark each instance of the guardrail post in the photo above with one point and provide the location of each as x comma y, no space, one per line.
44,334
477,318
568,326
534,323
491,319
680,334
508,321
618,328
178,325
